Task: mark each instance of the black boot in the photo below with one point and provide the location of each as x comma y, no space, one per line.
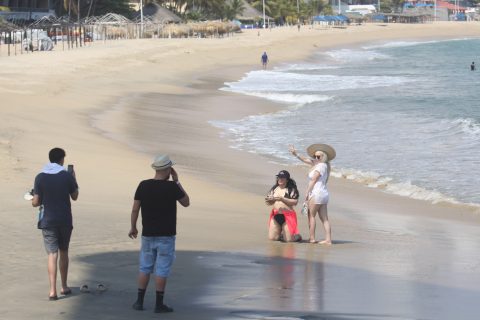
138,305
159,306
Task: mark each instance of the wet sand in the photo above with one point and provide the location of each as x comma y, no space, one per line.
392,258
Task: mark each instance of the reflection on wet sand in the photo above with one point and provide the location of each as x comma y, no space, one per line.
295,284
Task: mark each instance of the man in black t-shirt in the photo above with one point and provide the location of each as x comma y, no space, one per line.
53,189
157,200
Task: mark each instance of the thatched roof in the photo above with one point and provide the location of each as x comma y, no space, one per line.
250,13
6,26
156,13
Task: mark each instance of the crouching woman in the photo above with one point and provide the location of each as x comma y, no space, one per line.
283,196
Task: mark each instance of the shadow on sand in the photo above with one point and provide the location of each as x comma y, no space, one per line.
277,285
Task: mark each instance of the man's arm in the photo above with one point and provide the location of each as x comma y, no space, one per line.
185,201
133,219
36,200
74,195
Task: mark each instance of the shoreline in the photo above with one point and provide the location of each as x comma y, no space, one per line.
416,260
211,84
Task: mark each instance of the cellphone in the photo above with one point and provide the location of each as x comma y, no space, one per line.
70,168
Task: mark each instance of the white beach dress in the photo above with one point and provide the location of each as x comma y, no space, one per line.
319,191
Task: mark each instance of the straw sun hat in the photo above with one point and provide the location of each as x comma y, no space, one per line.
162,162
329,151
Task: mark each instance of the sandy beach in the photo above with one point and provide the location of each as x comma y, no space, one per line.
113,106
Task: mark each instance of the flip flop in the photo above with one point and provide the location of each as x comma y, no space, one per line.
101,288
53,298
66,292
84,289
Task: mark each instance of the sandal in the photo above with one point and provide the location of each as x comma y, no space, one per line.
101,288
66,292
84,289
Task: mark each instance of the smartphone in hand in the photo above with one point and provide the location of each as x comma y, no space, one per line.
70,168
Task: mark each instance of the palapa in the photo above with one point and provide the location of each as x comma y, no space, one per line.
158,14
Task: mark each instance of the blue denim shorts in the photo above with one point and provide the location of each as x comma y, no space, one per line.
158,252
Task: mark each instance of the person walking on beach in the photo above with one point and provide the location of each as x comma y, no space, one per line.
53,189
283,196
157,199
472,66
264,60
317,195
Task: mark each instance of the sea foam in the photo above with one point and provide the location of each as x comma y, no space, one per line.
271,81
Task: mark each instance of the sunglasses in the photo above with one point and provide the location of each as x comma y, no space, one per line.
317,157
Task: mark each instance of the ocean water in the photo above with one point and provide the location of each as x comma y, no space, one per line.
402,116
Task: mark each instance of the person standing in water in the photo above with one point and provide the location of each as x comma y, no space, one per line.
264,60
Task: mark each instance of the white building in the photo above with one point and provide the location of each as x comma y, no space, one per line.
362,9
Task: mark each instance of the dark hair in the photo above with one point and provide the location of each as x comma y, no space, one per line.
291,187
56,155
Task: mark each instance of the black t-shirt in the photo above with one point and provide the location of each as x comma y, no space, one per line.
54,191
158,204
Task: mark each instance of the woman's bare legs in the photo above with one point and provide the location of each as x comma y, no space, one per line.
274,230
323,214
312,224
286,233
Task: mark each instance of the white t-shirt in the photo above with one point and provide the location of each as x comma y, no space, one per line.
320,187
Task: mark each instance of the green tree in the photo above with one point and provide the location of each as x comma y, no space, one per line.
311,9
258,4
102,7
207,8
233,8
92,7
285,11
327,10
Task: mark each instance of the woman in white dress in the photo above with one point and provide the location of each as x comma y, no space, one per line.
317,195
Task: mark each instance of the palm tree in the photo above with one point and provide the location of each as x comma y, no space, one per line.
284,11
258,4
233,8
312,8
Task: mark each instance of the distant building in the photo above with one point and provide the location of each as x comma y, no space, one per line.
441,10
27,9
134,5
361,9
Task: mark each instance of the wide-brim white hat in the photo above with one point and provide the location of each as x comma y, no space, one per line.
162,162
329,151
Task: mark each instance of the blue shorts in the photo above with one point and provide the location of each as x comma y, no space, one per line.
158,252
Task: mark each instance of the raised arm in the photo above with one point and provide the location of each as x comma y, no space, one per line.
185,200
306,160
